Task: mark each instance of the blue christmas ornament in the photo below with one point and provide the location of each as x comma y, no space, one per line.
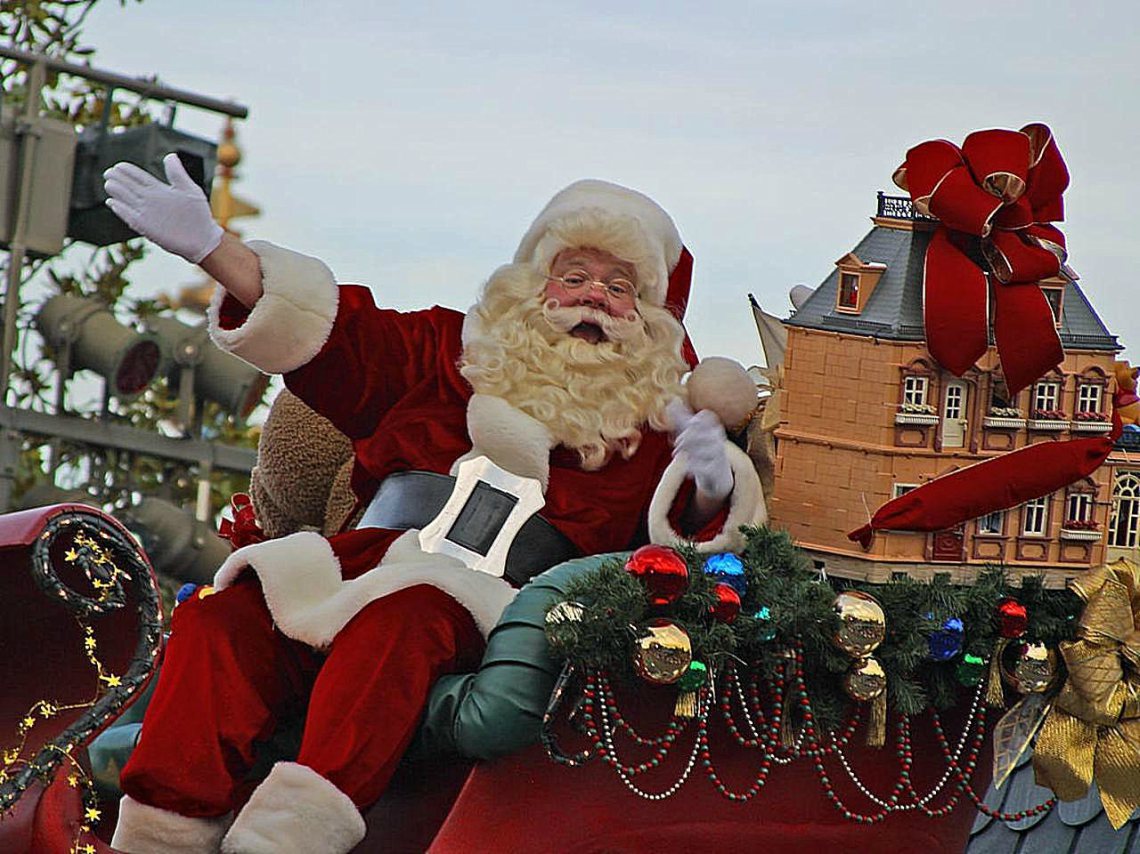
767,632
727,569
185,592
946,642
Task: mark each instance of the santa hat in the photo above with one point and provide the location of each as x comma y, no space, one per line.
625,223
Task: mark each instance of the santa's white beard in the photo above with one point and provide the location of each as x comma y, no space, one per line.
593,397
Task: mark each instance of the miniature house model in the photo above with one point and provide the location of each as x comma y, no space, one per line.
867,414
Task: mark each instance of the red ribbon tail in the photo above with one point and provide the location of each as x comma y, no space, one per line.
995,484
863,536
955,305
1025,333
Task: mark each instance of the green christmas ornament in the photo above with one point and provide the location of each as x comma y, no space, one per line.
562,623
694,677
971,669
689,686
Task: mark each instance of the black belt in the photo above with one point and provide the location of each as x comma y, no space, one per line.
411,499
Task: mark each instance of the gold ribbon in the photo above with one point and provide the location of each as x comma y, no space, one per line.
1093,730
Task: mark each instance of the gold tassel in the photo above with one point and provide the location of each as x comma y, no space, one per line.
995,695
686,706
877,722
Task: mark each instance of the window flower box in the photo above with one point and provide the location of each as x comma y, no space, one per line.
1087,530
1091,422
921,414
1083,534
1004,418
1048,419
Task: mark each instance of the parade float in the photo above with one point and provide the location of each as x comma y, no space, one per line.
929,646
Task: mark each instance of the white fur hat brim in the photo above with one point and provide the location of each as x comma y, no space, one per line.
607,216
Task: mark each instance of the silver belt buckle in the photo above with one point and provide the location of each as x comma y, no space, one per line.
487,507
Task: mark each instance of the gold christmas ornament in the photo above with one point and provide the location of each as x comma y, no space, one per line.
1034,668
865,681
862,624
663,654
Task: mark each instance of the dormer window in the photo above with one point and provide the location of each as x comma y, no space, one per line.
857,280
1055,296
848,292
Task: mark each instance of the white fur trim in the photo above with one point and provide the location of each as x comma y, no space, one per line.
145,829
509,437
593,206
295,811
746,504
472,326
301,579
293,318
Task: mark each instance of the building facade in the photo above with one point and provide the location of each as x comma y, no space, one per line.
867,414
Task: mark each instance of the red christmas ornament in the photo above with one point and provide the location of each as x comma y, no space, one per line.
1012,618
727,604
663,572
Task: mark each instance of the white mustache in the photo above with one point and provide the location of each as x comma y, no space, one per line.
566,318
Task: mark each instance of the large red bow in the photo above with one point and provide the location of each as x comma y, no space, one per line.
1003,187
244,530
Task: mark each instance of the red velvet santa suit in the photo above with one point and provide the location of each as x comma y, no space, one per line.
391,619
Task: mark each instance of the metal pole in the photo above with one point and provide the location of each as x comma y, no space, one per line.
37,76
147,88
9,461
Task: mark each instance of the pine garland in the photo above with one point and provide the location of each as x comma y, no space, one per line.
800,608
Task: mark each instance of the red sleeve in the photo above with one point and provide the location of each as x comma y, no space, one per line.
371,358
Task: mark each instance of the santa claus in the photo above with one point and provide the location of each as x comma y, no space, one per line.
566,373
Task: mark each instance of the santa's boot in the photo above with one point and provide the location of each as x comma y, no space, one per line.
295,811
144,829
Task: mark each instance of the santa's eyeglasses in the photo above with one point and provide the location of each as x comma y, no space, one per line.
618,290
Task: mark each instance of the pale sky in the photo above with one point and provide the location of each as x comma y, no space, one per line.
410,145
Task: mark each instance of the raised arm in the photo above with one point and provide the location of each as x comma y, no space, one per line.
176,216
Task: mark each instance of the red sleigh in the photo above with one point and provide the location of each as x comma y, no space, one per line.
81,638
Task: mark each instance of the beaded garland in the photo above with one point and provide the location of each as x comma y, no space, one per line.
754,727
788,601
781,646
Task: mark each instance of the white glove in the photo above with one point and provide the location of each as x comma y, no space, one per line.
176,215
701,439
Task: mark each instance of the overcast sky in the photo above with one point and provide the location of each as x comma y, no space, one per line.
410,145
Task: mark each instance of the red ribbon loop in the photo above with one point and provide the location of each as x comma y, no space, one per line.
244,530
1005,187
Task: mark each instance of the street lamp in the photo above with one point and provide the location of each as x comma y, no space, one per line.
43,494
86,335
198,368
99,149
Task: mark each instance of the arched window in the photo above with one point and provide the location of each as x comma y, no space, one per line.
1125,510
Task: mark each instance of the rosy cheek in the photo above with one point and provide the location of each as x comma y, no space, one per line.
555,292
